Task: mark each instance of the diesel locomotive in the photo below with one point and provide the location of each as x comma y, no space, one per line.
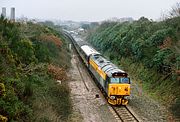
114,82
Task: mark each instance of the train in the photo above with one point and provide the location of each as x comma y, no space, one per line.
113,82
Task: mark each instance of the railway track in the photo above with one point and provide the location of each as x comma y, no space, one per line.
123,114
77,58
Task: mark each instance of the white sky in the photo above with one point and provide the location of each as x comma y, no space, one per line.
87,10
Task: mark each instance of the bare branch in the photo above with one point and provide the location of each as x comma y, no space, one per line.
175,10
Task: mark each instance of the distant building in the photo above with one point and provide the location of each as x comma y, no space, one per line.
80,30
12,14
124,19
3,12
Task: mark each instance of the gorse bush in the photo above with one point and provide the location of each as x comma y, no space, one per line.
25,51
2,90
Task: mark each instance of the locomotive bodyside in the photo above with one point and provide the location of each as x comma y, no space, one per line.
114,82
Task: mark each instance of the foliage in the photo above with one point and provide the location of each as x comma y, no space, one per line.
143,41
152,50
159,36
51,38
163,57
25,50
2,89
42,53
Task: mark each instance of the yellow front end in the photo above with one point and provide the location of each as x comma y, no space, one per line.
117,92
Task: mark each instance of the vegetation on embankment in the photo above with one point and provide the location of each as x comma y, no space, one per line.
149,51
32,58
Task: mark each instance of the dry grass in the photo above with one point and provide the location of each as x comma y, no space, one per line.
45,112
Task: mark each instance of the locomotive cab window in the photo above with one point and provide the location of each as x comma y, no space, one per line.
114,80
124,80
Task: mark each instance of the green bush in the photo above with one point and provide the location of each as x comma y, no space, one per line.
25,51
163,57
159,36
42,53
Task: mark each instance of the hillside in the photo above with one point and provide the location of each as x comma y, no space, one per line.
32,58
148,51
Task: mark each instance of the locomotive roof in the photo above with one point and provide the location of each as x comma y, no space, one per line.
109,68
89,50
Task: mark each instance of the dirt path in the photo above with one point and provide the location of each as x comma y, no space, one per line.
84,99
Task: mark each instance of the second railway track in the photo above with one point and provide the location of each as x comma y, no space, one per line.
123,114
81,74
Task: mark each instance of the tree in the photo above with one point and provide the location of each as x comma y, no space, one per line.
175,10
86,26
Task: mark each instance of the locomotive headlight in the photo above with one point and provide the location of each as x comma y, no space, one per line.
126,97
112,97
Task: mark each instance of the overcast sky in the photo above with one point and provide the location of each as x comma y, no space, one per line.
87,10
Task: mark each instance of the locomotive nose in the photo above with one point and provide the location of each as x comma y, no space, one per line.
126,89
119,89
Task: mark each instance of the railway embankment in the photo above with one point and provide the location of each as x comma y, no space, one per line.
33,58
147,50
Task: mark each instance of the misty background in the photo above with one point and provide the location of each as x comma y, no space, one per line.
87,10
